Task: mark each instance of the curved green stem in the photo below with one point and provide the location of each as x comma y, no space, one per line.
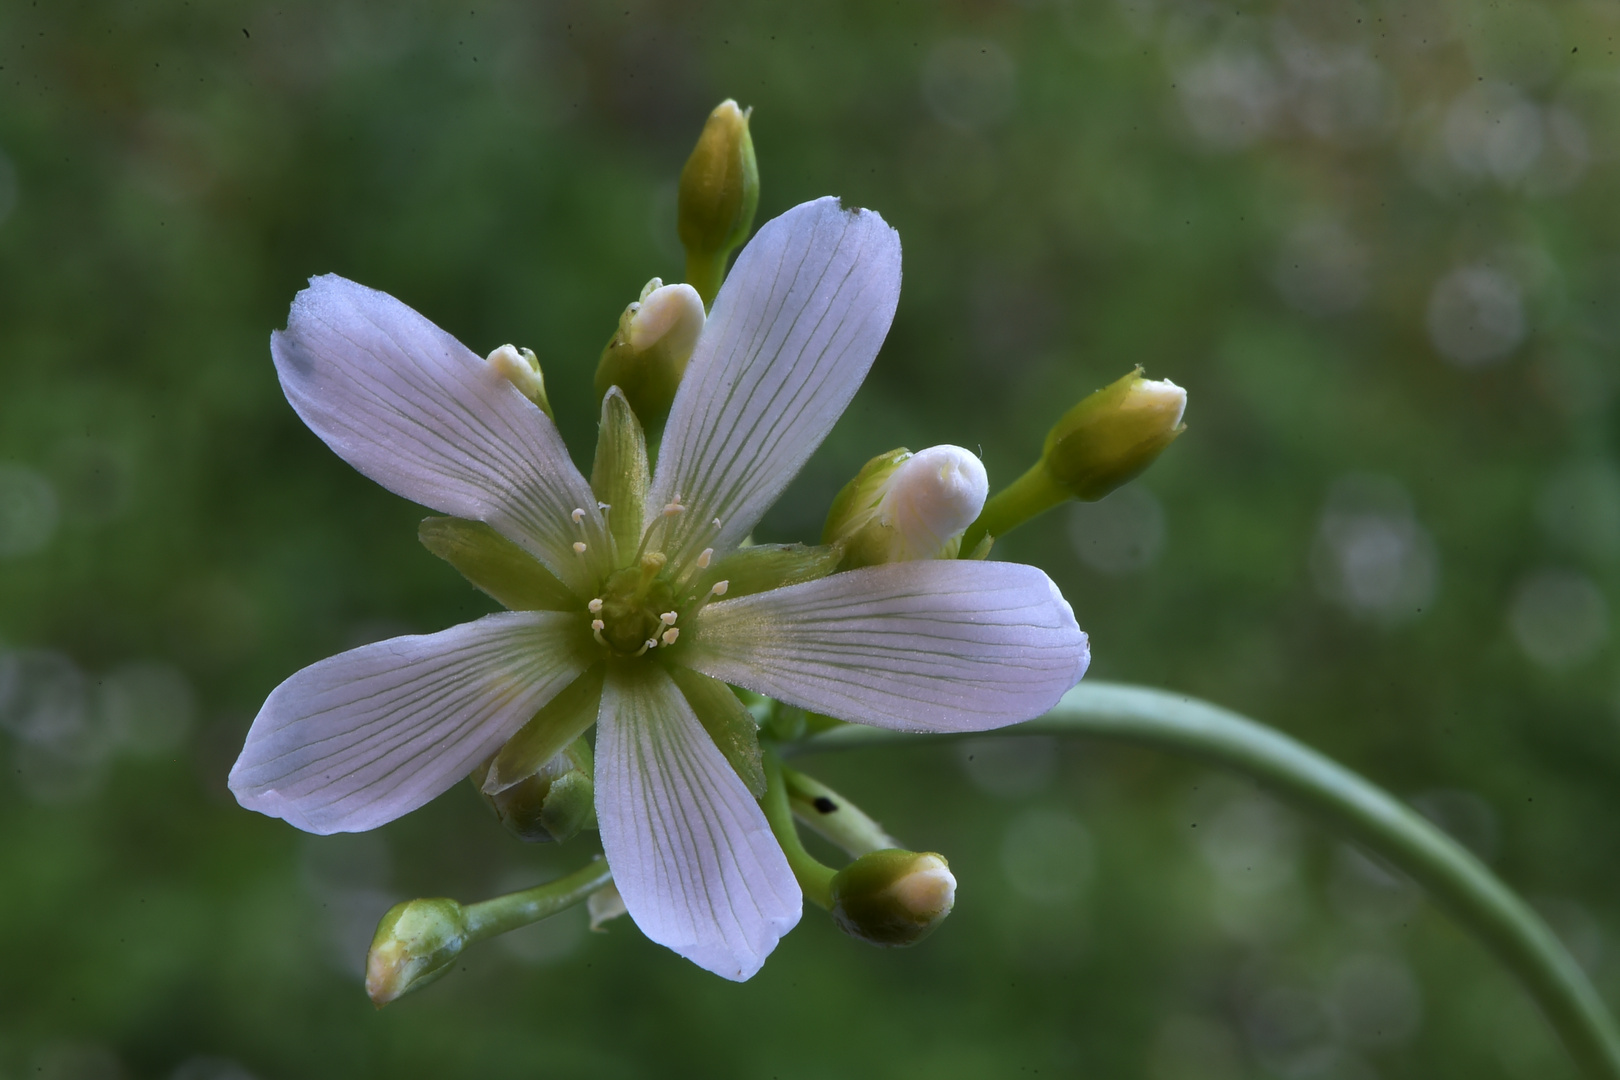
490,917
1354,806
814,877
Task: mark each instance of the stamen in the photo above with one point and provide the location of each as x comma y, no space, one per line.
604,507
703,558
671,509
715,523
719,588
595,606
578,515
668,618
668,636
579,547
596,631
645,645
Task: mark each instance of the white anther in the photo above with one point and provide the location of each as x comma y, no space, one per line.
668,636
596,631
703,558
579,547
716,523
598,625
595,606
650,643
719,588
668,618
673,508
604,507
578,515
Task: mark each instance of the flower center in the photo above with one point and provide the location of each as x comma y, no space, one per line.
636,610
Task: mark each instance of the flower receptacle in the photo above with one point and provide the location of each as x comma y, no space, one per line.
416,942
893,898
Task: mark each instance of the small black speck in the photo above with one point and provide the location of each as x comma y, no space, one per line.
245,33
824,804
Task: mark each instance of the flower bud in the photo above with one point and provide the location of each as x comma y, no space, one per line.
551,804
415,943
893,897
1112,435
521,368
647,354
903,506
718,195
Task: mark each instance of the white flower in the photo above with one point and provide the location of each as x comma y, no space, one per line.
361,738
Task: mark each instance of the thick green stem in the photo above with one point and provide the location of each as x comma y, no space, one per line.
490,917
1353,806
705,270
1033,493
834,817
814,878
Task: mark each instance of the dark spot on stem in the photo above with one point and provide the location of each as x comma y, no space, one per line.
824,804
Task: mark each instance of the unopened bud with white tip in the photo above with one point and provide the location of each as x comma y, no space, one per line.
893,897
416,942
904,506
647,354
521,368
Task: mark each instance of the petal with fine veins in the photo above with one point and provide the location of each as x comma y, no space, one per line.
412,408
360,738
691,852
940,645
792,334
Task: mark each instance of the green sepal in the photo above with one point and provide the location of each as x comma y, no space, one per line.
563,719
728,722
769,566
494,564
554,802
858,499
619,476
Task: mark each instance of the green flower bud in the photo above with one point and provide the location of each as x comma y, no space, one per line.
553,803
1112,435
415,943
718,196
893,897
647,354
522,368
903,506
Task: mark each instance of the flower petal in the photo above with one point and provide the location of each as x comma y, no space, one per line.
690,849
360,738
939,645
792,334
409,406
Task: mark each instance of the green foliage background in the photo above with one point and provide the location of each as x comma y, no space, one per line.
1261,201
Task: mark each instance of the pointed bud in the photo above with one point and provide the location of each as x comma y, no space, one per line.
551,804
1112,435
415,943
522,369
903,506
893,897
719,193
647,354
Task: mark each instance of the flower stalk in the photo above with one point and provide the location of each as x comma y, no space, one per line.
1353,806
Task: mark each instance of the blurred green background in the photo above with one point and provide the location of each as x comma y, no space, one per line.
1378,243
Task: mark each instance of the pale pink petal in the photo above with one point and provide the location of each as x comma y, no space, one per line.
939,645
412,408
795,328
691,852
363,737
